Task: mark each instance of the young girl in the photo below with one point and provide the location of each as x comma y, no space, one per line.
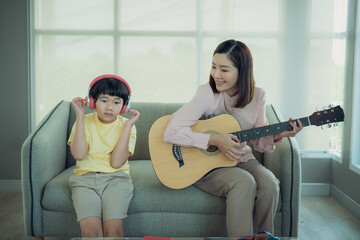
101,142
251,190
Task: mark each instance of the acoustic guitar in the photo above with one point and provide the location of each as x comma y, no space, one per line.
178,167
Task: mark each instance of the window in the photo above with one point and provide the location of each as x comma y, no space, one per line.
163,48
326,66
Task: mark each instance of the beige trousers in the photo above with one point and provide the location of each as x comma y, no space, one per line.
251,192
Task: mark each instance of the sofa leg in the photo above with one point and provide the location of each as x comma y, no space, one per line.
38,238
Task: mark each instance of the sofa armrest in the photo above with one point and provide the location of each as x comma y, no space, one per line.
285,163
43,156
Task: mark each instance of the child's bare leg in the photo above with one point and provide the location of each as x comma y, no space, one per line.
91,227
114,228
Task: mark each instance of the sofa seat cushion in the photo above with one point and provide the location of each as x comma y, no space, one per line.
57,193
150,195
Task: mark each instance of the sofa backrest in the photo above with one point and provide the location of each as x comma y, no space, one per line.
150,112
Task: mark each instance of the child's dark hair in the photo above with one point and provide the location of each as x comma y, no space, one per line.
110,86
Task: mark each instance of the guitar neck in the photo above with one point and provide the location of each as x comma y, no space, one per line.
254,133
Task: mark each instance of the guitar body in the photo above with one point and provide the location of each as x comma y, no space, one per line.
197,162
179,167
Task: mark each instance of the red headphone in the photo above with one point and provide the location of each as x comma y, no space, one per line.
90,102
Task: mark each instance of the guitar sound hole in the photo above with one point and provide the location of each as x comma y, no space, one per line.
212,148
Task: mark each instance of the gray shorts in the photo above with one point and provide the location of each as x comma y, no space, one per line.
104,195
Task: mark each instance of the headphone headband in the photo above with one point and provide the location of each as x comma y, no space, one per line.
110,76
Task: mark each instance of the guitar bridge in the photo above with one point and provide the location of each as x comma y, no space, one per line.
177,154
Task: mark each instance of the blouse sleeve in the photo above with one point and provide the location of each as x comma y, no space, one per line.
264,144
178,130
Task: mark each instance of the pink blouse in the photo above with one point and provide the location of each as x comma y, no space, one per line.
206,104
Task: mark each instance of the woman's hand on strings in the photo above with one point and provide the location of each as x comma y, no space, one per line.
228,144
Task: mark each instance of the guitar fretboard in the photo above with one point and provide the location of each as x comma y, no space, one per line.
268,130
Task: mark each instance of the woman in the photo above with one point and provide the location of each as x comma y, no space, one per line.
251,190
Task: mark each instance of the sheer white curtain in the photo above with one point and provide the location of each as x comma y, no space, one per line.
163,48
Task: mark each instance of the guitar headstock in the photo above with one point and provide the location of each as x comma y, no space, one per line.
327,116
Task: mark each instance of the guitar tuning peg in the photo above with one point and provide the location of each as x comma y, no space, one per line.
335,124
328,126
322,127
331,106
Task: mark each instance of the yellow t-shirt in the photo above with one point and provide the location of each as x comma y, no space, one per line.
101,140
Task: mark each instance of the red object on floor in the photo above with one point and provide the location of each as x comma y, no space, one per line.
155,238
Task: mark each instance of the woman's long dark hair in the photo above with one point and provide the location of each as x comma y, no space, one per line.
241,58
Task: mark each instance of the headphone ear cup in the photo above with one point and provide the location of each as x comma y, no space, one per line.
125,108
91,103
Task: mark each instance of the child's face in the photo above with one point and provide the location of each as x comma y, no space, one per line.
108,108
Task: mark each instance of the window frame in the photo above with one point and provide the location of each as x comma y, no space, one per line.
354,164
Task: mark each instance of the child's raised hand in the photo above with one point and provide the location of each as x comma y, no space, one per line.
78,105
133,119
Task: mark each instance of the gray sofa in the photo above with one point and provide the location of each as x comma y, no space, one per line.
155,210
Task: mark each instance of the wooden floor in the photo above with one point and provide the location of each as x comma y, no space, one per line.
320,218
324,218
